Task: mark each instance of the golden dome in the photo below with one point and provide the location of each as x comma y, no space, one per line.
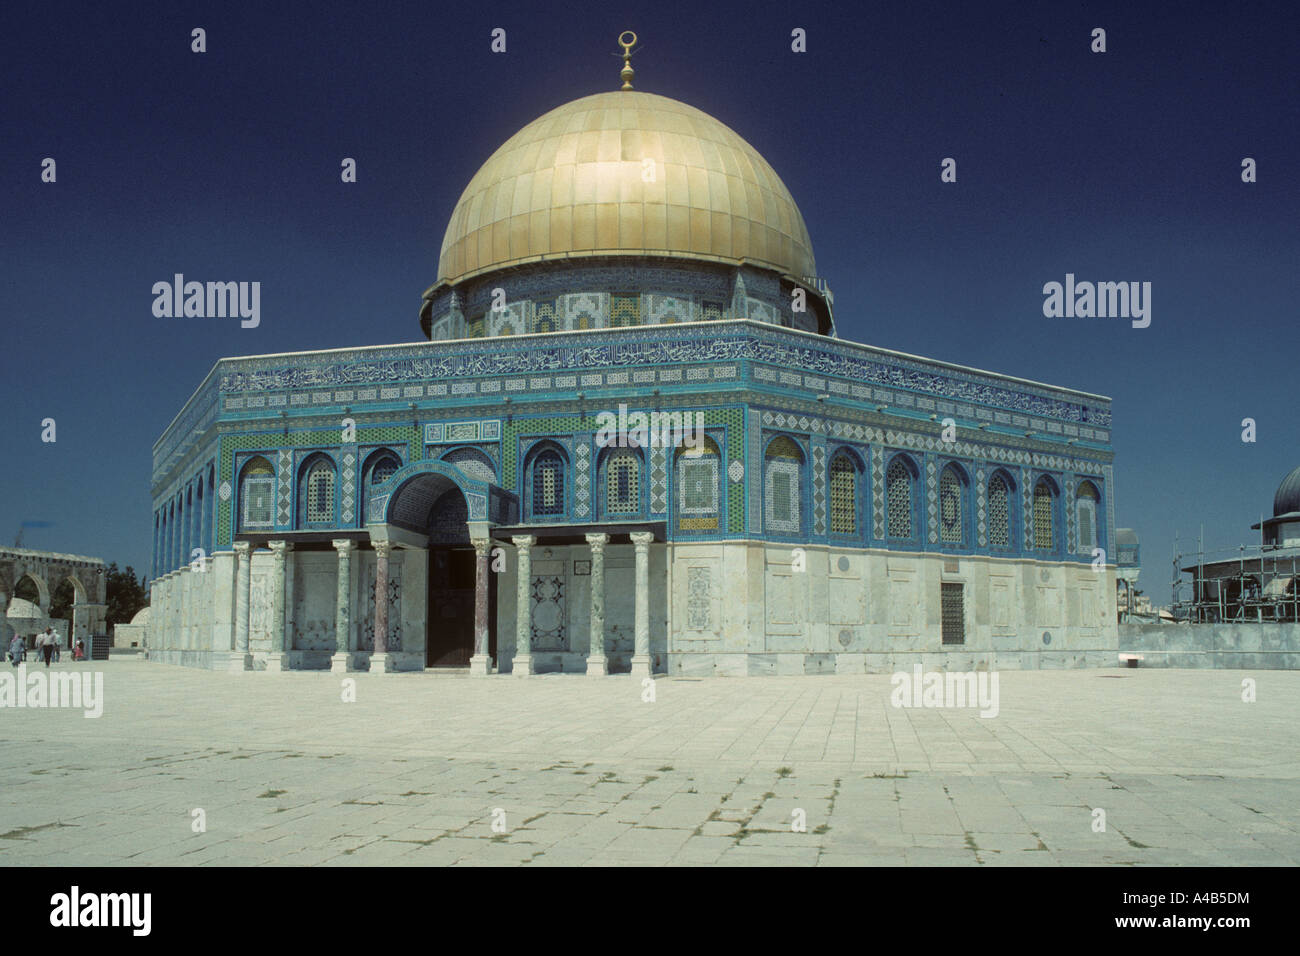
625,173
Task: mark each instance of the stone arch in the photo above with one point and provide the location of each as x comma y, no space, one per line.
42,587
407,499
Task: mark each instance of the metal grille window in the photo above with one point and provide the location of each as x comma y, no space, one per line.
898,486
548,484
999,513
320,493
622,484
844,496
952,600
1044,532
950,509
1086,509
781,509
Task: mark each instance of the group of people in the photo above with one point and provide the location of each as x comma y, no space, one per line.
48,647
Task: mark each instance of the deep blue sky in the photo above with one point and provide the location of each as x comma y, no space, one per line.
225,165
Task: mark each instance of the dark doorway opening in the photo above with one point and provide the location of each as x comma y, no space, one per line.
449,635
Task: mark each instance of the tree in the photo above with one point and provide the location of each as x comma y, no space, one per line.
62,599
124,594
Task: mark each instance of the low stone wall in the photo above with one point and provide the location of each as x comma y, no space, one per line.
1228,646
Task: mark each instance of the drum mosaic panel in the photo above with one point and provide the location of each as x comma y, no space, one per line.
624,310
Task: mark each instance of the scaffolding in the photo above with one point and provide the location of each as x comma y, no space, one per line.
1249,584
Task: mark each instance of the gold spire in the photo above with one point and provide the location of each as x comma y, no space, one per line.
627,40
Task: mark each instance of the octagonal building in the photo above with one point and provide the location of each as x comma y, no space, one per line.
631,442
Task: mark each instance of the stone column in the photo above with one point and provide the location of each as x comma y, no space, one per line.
523,663
641,654
242,661
379,662
341,662
480,665
597,663
278,659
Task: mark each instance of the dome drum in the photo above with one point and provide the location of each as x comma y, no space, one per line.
597,293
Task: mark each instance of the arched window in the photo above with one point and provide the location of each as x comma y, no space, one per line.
844,495
952,511
379,468
257,495
1044,524
783,496
999,512
548,483
1086,499
316,491
472,462
898,493
623,483
698,475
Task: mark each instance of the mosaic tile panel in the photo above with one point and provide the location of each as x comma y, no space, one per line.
348,484
1068,484
819,487
658,480
1027,508
582,478
931,501
284,489
877,493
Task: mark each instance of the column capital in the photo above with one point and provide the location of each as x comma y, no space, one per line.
481,545
344,545
280,548
597,542
642,539
383,548
242,550
524,540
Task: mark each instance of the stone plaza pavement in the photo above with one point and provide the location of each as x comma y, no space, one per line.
710,773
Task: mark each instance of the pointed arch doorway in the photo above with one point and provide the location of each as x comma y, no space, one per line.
452,573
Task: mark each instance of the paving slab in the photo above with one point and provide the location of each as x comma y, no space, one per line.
566,771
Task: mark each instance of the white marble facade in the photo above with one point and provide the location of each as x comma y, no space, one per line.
725,608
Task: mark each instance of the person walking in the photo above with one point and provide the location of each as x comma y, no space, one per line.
46,642
17,649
